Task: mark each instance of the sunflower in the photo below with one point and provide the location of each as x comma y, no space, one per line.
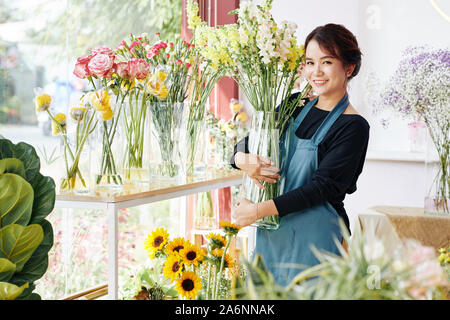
188,285
216,241
191,254
229,228
156,241
217,256
174,246
172,267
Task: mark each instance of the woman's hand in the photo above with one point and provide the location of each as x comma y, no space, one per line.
245,213
257,168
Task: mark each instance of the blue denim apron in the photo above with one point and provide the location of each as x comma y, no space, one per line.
286,251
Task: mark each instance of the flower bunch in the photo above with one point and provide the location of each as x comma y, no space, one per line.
418,90
225,134
183,261
84,118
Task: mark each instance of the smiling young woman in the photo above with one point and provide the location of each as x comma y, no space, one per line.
326,155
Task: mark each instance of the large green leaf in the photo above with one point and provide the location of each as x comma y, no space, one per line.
24,152
36,266
16,200
44,198
17,243
12,165
7,269
10,291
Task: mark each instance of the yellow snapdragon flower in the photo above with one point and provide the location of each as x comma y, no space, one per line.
101,100
42,102
107,114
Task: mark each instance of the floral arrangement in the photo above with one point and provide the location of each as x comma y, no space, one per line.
372,269
266,61
84,117
100,66
184,261
225,134
418,90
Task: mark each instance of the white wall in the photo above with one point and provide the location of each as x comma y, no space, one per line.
384,28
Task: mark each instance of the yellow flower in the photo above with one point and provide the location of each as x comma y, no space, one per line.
189,285
191,254
77,113
242,117
107,114
174,246
229,228
235,107
218,253
157,88
216,241
58,123
159,76
101,100
172,267
42,102
127,85
156,241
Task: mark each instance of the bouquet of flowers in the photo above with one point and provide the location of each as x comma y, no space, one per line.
418,89
100,66
224,134
84,117
266,61
184,261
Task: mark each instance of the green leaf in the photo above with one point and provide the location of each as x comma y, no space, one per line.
16,200
17,243
12,165
36,266
10,291
24,152
7,269
44,198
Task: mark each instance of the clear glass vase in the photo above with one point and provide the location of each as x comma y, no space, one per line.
437,173
205,216
264,141
165,126
76,164
108,154
136,137
193,141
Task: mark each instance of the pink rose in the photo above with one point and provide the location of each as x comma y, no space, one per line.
102,50
138,68
122,70
100,64
81,67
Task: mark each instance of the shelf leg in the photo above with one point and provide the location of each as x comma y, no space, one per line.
113,272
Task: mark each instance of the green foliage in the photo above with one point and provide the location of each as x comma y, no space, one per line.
26,237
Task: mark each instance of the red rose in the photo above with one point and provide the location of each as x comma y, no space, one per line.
101,64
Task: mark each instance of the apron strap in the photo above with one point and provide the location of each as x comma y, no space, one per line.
330,119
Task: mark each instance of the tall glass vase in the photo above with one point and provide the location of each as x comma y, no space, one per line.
437,198
165,120
136,153
193,140
108,154
264,141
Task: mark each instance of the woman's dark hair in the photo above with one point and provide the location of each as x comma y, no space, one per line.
339,42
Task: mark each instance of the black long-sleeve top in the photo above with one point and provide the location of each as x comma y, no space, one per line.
341,156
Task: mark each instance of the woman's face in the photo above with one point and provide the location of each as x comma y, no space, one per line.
325,73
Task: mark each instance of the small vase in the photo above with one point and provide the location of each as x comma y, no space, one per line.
76,166
437,164
165,125
108,154
264,141
205,216
135,133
